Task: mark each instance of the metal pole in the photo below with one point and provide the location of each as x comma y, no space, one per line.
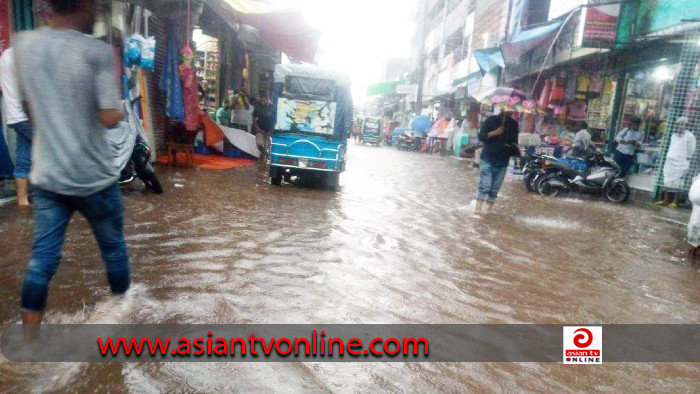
421,55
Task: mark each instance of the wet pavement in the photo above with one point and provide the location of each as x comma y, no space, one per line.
397,243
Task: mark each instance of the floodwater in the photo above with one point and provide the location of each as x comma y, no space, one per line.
397,243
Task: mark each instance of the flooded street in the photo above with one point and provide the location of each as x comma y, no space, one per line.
396,244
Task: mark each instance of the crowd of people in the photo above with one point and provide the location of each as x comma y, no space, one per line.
255,116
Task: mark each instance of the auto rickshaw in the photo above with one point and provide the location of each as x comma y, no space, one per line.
313,120
371,131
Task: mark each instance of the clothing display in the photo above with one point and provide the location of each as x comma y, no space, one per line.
189,90
170,81
577,111
597,85
582,84
558,89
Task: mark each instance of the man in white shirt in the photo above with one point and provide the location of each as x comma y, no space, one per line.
19,122
628,141
680,151
582,140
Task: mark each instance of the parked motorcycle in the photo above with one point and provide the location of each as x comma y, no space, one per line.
139,165
131,151
595,174
408,143
534,169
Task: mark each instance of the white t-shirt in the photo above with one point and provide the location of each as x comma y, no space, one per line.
243,116
12,102
582,139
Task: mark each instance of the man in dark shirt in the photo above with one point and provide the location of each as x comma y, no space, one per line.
496,131
263,123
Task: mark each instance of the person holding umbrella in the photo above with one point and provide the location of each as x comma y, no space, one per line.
499,135
420,125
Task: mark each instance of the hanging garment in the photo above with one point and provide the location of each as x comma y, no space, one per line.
577,111
170,81
597,85
608,90
694,222
543,102
557,96
582,83
680,151
190,91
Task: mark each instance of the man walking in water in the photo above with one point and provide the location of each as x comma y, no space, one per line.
496,133
68,84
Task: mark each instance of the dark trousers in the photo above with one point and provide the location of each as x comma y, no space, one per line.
624,161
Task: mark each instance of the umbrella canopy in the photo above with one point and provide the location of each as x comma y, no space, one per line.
421,123
508,100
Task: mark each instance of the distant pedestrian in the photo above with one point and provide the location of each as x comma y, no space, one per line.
263,123
628,141
69,84
680,152
18,121
223,114
242,115
499,134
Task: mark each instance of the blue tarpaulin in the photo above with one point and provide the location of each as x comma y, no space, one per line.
489,58
527,40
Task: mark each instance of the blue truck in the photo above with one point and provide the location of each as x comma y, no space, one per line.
314,113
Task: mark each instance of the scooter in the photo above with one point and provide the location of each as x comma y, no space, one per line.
406,143
596,174
534,169
139,165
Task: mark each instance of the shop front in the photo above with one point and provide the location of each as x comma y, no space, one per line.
648,95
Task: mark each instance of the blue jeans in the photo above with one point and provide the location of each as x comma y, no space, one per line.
624,161
23,155
52,212
490,181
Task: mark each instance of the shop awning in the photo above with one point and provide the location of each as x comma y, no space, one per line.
471,77
527,40
383,88
282,26
489,58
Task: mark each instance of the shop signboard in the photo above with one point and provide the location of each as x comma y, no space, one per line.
549,150
404,89
600,29
4,25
